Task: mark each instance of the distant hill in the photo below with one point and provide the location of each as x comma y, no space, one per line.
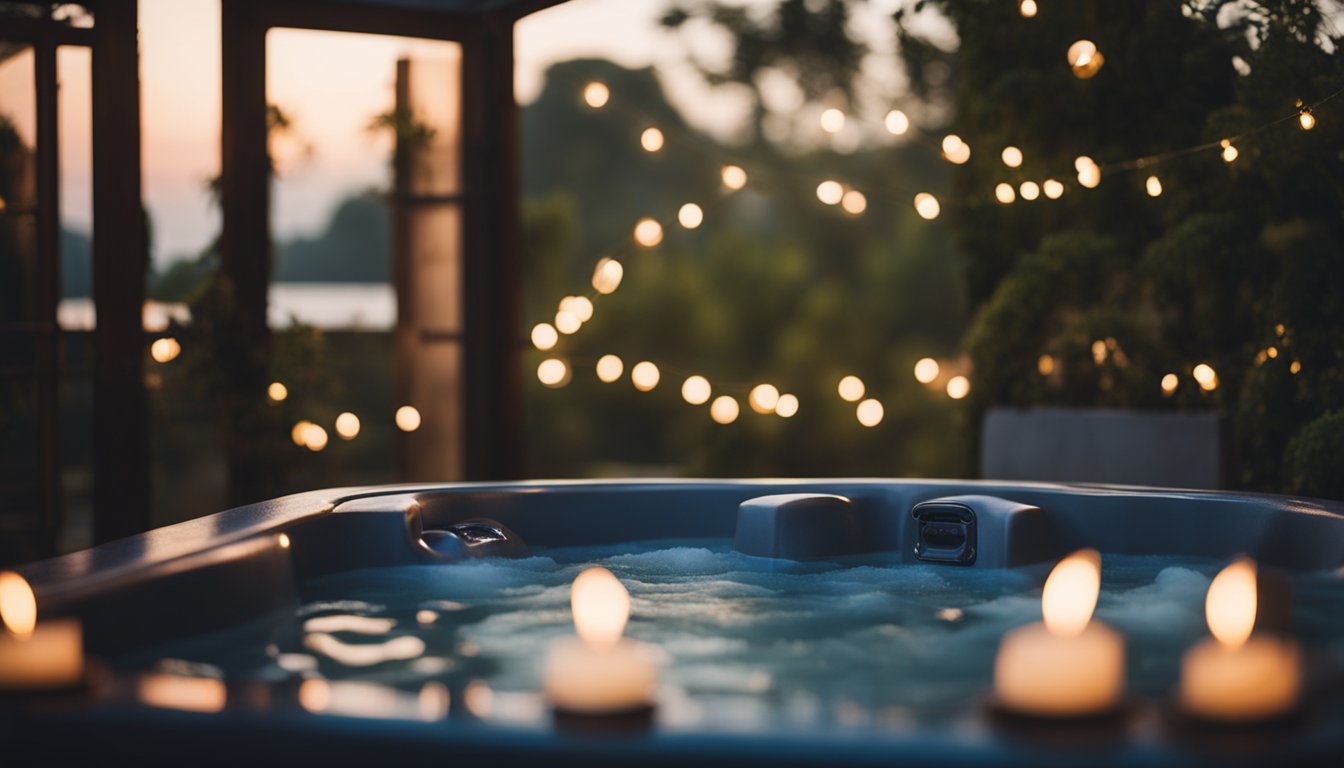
355,247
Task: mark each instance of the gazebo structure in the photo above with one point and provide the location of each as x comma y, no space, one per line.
457,354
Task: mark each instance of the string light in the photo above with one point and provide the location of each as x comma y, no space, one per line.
958,387
607,275
854,202
763,398
1052,188
1045,365
832,121
696,390
733,177
1229,152
1084,59
1004,193
926,206
299,432
896,122
553,372
645,376
648,232
787,406
596,95
1206,377
544,336
1027,8
690,216
609,368
314,437
651,139
1295,367
1305,117
1011,156
830,192
582,307
1029,190
869,413
407,418
1153,186
165,349
926,370
851,388
347,426
276,392
567,322
955,150
1089,173
724,410
1169,384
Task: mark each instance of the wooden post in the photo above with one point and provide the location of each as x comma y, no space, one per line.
120,258
48,295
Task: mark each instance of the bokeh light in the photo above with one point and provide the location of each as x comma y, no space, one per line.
1169,383
1004,193
1011,156
1153,186
763,398
896,122
926,206
1027,8
854,202
607,275
1206,377
690,216
1045,365
832,121
347,426
651,139
787,406
648,232
1084,59
276,392
553,372
696,390
609,368
869,413
1029,190
165,349
544,336
596,94
851,388
1052,188
955,150
408,418
724,410
734,177
1229,152
830,192
926,370
567,322
958,387
644,376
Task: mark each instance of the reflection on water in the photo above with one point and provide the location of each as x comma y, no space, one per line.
751,644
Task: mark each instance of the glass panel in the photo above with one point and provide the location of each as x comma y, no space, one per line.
18,128
73,67
435,86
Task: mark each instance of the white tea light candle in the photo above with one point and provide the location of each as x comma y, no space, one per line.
35,656
1067,665
1236,676
599,672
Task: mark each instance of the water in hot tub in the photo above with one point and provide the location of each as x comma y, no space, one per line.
749,643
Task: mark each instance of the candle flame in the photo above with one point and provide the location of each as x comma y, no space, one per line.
18,605
1231,604
1070,593
601,606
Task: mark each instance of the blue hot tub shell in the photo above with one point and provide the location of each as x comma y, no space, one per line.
235,567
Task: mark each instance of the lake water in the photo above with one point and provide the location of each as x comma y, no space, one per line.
330,306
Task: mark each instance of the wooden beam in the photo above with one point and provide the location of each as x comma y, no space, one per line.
48,294
120,260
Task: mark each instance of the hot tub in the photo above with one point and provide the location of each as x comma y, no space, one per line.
802,622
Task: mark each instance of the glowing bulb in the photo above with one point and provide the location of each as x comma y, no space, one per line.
544,336
1306,119
1029,190
164,349
18,605
553,372
644,376
283,540
958,387
1272,352
1004,193
582,307
734,177
277,392
1230,606
1153,186
601,607
1169,383
567,322
407,418
1011,156
651,139
609,368
347,426
1084,59
1045,365
763,398
724,410
869,413
926,206
832,121
854,202
1229,152
926,370
648,233
596,94
955,150
1295,368
1090,176
787,406
1027,8
696,390
830,192
897,123
315,438
1052,189
607,275
1070,593
851,389
1206,377
690,216
299,433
